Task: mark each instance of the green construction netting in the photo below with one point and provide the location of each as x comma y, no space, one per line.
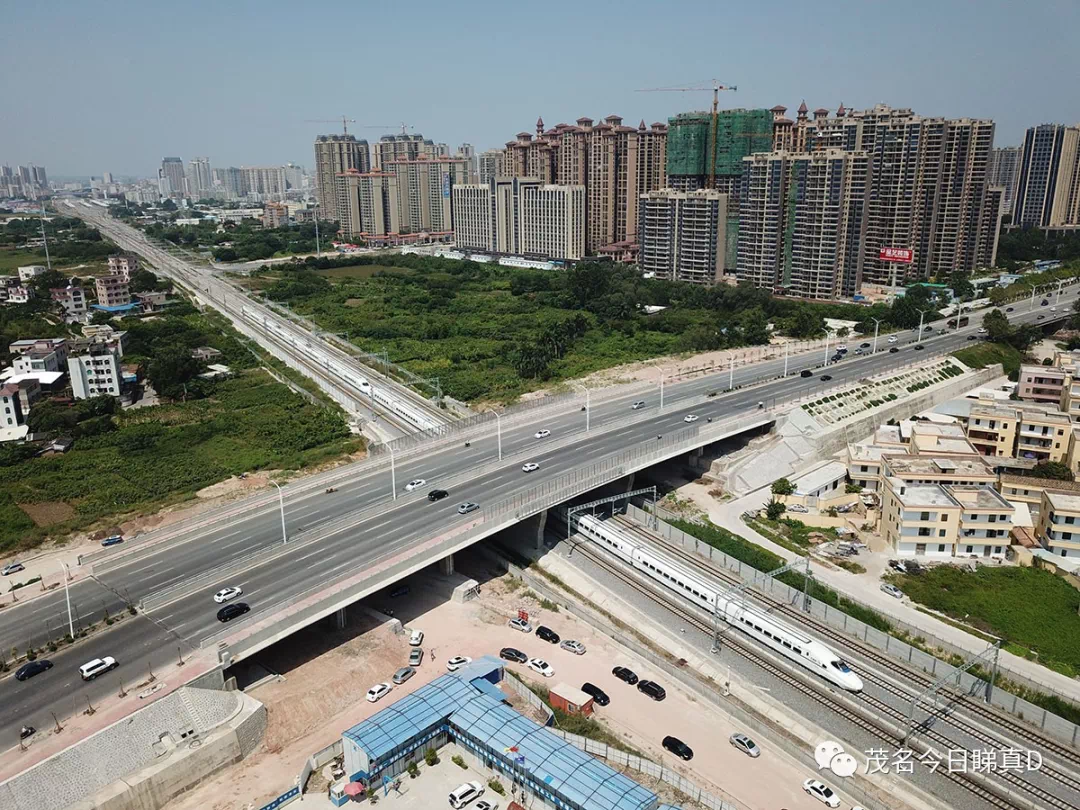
739,133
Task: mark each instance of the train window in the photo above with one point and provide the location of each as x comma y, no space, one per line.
797,650
841,665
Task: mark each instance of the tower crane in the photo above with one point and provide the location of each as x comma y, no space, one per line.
344,122
716,87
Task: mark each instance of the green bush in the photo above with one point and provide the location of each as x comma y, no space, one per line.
431,757
496,786
413,770
457,760
547,604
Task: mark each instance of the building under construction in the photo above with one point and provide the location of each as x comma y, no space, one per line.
692,148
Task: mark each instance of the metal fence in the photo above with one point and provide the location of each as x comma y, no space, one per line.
1057,727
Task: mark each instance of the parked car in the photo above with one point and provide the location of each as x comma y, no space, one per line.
745,744
484,804
972,337
403,675
982,330
806,373
416,483
892,590
822,792
112,541
12,568
652,689
547,634
542,434
225,594
416,656
625,675
520,625
463,794
540,666
417,638
457,662
437,495
530,466
599,696
99,666
637,406
678,748
576,647
797,507
690,417
1040,317
511,654
32,668
467,507
233,611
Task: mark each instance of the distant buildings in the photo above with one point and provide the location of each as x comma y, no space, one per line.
1004,173
72,301
490,165
112,291
171,177
682,235
521,217
335,154
200,178
123,265
390,148
29,182
1048,186
275,215
28,272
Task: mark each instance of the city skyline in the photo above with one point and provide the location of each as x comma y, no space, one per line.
945,60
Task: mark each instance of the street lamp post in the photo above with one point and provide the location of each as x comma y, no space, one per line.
877,326
959,310
731,371
1032,299
827,336
661,388
67,596
922,313
281,505
498,428
318,248
588,410
786,347
393,473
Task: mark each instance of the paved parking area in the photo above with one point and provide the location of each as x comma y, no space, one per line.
428,790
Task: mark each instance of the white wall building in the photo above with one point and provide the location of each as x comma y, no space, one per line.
95,373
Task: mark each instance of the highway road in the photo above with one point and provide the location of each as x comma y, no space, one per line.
395,525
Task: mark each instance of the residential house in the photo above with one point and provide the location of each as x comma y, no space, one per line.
1059,524
72,301
985,521
991,429
205,353
20,294
95,371
1041,384
28,272
1043,435
934,439
919,519
123,265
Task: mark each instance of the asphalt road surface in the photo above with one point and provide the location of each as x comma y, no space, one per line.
152,640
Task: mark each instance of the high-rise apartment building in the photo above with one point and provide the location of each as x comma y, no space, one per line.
682,235
200,177
802,222
615,163
521,216
171,177
404,147
692,147
490,165
1004,172
468,153
335,154
410,197
266,181
1048,187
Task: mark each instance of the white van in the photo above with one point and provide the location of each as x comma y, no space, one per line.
466,793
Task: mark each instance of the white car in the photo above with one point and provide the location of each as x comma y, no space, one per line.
532,466
378,692
542,434
576,647
457,662
416,483
520,624
892,338
484,804
225,594
99,666
822,792
690,417
463,794
13,568
417,638
892,590
982,331
541,666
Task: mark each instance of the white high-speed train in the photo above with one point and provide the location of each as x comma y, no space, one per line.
783,639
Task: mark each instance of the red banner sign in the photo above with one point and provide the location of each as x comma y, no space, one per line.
890,254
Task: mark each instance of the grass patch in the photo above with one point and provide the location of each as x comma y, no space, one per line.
982,355
1028,607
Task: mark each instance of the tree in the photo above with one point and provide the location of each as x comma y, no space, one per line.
143,281
100,317
774,509
1052,469
843,332
170,370
961,285
997,326
806,323
782,486
755,327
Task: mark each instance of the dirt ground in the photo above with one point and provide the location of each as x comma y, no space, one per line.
323,690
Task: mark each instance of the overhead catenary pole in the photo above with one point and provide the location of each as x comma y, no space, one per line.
393,472
281,505
877,325
786,347
588,410
498,428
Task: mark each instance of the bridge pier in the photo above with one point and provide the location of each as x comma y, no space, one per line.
446,565
630,482
339,619
542,523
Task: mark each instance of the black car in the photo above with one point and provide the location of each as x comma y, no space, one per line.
893,350
678,748
1045,303
624,674
547,634
1008,309
652,689
826,377
806,373
31,669
864,345
972,337
1040,317
230,612
510,654
599,696
437,494
918,347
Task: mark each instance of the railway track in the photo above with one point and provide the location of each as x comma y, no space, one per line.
889,664
820,694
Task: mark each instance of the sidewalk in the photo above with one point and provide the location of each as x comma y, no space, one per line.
47,565
866,589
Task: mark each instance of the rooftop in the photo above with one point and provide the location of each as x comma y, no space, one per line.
980,410
935,465
921,494
979,497
822,476
867,452
1028,481
888,434
1038,415
1061,501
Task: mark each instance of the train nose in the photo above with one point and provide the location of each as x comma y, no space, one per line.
854,682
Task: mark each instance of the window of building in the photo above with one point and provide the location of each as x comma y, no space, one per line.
941,533
941,548
924,516
970,549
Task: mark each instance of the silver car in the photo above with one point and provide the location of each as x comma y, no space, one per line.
892,590
416,657
745,744
403,675
467,507
576,647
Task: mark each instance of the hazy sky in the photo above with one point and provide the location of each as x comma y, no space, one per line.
114,85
